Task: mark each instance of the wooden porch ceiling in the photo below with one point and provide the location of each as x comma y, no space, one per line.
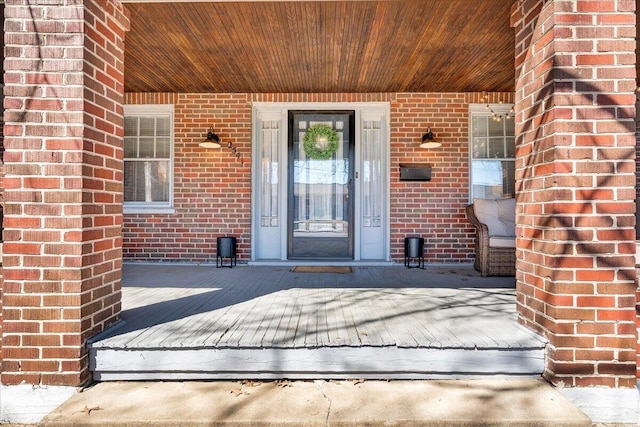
320,46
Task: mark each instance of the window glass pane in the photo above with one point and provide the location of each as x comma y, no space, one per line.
147,126
492,154
508,179
479,148
159,181
496,148
510,126
146,148
163,126
130,148
163,148
133,181
496,128
130,126
493,179
479,126
146,181
511,147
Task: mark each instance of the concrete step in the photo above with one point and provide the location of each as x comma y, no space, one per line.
494,402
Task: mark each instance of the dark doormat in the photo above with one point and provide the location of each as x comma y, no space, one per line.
322,269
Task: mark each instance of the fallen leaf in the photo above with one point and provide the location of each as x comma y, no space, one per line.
237,392
250,383
357,381
284,383
88,410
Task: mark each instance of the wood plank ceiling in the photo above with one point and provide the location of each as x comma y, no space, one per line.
320,46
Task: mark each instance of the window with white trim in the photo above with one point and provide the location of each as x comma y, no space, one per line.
148,158
492,152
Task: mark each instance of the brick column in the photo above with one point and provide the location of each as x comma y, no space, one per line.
63,184
575,80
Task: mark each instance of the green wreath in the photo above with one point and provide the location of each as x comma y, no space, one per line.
313,142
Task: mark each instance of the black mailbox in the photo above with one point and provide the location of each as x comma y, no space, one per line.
415,172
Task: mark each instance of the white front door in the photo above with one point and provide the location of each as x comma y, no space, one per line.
338,212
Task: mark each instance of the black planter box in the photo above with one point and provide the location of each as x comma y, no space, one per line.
226,248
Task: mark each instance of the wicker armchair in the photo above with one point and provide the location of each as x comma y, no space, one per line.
495,251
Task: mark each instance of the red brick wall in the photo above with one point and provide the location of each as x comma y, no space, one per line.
102,169
63,185
637,207
212,193
212,189
637,236
637,323
637,233
575,81
434,209
1,191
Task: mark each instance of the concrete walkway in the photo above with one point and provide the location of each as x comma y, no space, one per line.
319,403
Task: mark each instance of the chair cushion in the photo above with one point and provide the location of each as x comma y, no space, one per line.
499,215
502,242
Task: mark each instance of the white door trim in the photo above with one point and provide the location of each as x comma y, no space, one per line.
278,109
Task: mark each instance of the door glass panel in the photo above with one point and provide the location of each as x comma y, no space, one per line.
320,220
270,161
372,173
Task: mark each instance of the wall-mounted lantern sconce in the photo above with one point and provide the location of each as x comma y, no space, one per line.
428,141
212,141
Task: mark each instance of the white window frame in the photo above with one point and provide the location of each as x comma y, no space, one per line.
153,110
476,110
